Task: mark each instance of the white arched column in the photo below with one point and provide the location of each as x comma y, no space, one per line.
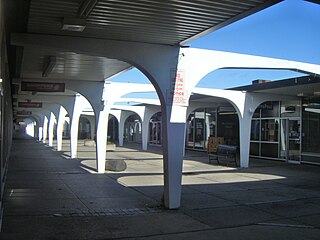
61,119
74,126
45,129
40,128
52,121
173,128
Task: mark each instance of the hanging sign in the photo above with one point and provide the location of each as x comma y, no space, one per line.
42,87
177,95
30,104
24,113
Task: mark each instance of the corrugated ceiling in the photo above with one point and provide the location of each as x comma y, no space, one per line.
163,22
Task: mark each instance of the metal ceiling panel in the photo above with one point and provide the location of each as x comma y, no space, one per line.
69,66
163,22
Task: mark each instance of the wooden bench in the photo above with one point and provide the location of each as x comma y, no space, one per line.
224,152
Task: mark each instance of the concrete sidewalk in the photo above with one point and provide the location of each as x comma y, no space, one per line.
50,196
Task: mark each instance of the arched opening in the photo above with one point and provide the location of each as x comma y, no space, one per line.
133,129
155,129
113,129
66,128
84,128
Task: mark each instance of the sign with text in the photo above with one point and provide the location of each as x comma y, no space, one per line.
42,87
30,104
23,113
177,95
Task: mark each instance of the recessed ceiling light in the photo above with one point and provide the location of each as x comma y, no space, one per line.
73,24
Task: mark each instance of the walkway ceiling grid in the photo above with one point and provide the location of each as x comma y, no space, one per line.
169,22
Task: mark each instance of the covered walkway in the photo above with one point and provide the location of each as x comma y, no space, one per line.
49,196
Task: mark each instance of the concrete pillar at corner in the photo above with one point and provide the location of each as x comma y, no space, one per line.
52,121
244,131
123,116
173,151
61,119
74,126
145,131
101,136
45,129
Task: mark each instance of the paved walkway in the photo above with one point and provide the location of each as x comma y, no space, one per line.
49,196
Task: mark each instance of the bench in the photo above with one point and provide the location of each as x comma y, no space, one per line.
224,152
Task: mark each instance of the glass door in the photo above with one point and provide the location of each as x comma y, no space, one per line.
290,140
155,133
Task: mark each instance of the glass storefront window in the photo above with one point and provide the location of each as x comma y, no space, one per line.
255,130
254,149
311,126
190,130
203,123
228,127
199,129
290,108
269,109
269,130
211,122
155,129
269,150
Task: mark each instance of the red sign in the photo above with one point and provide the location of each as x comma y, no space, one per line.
23,113
177,95
42,87
30,104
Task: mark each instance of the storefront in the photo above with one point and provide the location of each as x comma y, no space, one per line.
212,122
311,130
276,131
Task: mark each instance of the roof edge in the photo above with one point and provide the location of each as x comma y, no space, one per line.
234,19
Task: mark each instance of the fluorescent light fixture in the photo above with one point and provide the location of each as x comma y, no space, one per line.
0,80
48,64
73,24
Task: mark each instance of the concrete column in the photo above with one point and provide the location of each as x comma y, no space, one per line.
61,120
145,133
45,129
74,126
52,121
123,116
101,135
245,131
40,133
173,127
121,132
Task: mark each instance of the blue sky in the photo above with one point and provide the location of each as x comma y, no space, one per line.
288,30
